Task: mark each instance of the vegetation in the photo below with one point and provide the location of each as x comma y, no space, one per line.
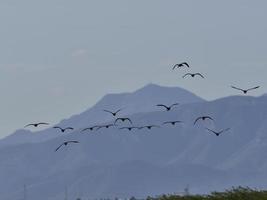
239,193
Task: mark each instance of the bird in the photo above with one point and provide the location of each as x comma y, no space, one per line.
245,91
172,122
203,118
89,128
123,120
149,127
218,133
179,65
193,75
168,108
66,143
36,124
113,113
129,128
63,129
105,126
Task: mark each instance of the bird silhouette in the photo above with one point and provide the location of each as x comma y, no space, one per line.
129,128
218,133
172,122
36,124
149,127
89,128
113,113
123,120
63,129
245,91
193,75
66,143
168,108
203,118
105,126
179,65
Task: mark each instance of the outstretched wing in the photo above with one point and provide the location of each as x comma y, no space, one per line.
57,127
253,88
175,66
237,88
188,74
211,131
199,74
108,111
161,105
73,141
197,120
59,147
128,119
118,111
28,125
175,104
225,130
185,63
43,123
69,128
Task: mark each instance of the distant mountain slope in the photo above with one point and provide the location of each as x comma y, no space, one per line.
122,163
142,100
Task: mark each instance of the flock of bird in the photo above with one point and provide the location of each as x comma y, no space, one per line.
149,127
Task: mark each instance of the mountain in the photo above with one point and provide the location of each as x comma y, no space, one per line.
122,163
142,100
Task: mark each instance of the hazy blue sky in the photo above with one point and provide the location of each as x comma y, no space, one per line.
58,58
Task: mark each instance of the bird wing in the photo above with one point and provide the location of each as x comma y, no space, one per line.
197,120
28,125
43,123
208,117
237,88
185,63
70,128
211,131
108,111
59,147
253,88
117,120
200,75
57,127
176,65
225,130
73,141
166,122
118,111
175,104
162,106
129,120
187,75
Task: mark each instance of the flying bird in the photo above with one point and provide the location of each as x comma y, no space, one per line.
105,126
218,133
123,120
63,129
129,128
172,122
193,75
89,128
113,113
149,127
66,143
168,108
179,65
245,91
203,118
36,124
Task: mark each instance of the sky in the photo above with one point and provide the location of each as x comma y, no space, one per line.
59,57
